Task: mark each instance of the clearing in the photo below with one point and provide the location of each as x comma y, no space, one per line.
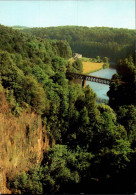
89,67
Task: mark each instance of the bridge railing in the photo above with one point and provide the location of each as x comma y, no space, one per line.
88,78
91,78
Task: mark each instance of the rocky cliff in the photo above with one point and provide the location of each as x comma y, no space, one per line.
23,140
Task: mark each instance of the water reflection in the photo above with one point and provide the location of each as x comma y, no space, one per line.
101,89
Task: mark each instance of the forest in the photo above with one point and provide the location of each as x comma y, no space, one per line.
114,43
94,148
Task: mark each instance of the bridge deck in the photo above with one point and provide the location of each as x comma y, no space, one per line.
91,78
88,78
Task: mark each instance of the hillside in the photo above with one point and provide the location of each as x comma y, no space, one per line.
91,42
15,41
54,138
22,142
26,68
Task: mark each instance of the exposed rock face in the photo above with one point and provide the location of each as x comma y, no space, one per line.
3,189
22,142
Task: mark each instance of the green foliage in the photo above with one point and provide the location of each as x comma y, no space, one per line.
75,66
34,95
11,75
122,153
90,42
126,69
31,69
60,164
28,183
123,93
98,59
63,48
105,65
61,169
127,117
15,41
92,141
82,114
105,60
106,132
11,99
111,148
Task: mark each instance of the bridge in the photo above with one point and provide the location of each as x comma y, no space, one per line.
71,75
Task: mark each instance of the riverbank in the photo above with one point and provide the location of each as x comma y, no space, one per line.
89,67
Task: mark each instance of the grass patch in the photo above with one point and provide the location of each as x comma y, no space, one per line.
89,67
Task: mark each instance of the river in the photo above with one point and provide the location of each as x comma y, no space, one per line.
101,89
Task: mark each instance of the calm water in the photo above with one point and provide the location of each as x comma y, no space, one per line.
101,89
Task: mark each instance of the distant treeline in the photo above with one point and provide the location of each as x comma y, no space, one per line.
91,42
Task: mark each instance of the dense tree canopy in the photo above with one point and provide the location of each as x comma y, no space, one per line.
124,93
94,144
91,42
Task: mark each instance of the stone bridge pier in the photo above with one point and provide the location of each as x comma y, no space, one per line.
84,83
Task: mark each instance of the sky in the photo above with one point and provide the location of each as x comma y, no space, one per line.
45,13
